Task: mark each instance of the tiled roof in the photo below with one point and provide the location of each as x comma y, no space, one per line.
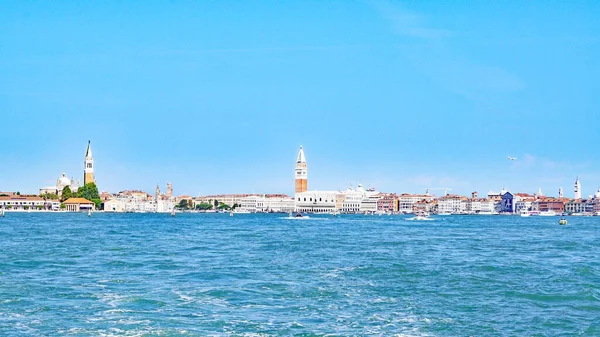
78,201
22,197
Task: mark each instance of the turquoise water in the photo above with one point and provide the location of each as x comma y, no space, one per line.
254,275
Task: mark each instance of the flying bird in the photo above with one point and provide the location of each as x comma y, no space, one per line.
511,158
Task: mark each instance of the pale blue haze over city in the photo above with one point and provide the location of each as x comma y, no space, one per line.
216,97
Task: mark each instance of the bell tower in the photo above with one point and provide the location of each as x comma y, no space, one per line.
301,172
577,189
88,171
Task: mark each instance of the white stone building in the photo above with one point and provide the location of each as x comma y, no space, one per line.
316,201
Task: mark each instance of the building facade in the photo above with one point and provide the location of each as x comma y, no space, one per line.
316,201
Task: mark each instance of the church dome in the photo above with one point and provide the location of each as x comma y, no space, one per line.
64,181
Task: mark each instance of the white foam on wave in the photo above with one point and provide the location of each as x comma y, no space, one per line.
306,217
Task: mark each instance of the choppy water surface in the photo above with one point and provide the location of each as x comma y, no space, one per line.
211,274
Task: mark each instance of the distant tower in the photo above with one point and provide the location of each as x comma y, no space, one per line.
169,190
301,172
88,171
577,189
539,193
560,193
474,195
157,194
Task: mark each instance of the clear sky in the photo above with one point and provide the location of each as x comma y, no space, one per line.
217,96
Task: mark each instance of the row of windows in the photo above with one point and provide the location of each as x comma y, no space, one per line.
320,199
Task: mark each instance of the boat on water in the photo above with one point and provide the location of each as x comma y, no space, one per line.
563,222
444,213
90,212
548,213
2,212
525,213
421,216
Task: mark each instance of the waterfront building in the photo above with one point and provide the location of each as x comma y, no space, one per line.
249,203
227,199
301,172
472,205
549,204
138,202
360,200
577,189
387,203
114,205
406,201
135,195
523,202
340,198
78,205
451,203
494,196
277,203
88,171
428,206
20,202
582,206
487,206
319,202
507,202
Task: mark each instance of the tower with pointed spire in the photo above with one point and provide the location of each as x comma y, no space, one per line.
301,172
560,193
577,189
88,171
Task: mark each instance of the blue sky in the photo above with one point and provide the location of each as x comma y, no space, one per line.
216,97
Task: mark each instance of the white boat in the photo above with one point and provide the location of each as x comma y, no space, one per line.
421,216
444,213
2,212
548,213
525,213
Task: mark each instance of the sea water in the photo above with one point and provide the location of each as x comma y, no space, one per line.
262,275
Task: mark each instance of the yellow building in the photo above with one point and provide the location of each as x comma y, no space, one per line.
78,205
88,171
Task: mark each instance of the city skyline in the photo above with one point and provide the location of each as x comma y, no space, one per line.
301,182
397,96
